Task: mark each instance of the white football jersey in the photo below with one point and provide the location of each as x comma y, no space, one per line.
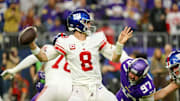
56,70
83,56
173,19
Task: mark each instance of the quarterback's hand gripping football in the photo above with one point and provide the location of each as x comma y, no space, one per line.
8,74
28,35
125,35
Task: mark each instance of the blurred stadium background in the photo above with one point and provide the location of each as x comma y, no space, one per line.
156,25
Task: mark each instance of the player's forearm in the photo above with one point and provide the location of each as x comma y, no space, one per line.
42,56
118,52
165,91
33,45
27,62
116,57
122,39
37,52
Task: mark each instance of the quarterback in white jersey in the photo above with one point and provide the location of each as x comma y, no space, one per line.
83,56
58,83
81,50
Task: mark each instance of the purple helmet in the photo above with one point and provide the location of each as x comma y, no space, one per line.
139,67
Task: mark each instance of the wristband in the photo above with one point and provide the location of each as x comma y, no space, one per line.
119,48
36,51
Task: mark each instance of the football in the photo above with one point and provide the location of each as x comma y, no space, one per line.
27,35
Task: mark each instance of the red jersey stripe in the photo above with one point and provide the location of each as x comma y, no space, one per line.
60,50
102,46
58,46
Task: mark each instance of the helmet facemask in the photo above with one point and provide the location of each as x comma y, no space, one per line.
173,65
175,72
134,82
88,30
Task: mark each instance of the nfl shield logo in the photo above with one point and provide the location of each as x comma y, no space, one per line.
72,47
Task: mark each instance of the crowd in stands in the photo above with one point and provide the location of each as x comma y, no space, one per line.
141,15
16,90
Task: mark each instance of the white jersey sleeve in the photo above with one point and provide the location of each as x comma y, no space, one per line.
105,48
60,45
50,51
108,50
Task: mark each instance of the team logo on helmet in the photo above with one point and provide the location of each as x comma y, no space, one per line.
78,20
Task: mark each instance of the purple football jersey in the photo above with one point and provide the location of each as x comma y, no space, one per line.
129,92
35,96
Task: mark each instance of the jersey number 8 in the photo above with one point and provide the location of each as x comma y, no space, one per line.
85,58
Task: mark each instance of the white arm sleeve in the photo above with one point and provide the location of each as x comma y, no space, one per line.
147,98
28,61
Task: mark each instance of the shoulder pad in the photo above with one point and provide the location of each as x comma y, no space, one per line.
63,35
